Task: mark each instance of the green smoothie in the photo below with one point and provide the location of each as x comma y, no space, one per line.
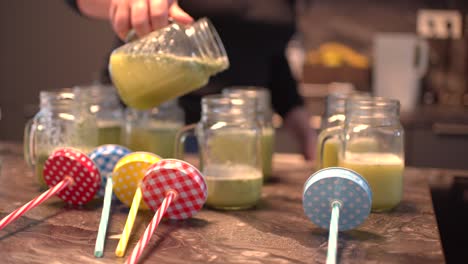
233,187
147,80
157,138
108,132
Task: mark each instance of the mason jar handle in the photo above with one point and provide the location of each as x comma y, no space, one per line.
29,143
326,134
181,136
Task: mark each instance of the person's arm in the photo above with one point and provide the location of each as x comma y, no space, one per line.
289,104
94,8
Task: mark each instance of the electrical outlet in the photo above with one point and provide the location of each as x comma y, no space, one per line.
439,24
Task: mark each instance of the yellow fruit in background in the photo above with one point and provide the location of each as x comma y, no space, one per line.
334,54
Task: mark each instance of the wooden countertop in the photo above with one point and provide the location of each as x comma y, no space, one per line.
277,231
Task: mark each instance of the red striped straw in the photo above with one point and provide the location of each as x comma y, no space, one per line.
35,202
136,253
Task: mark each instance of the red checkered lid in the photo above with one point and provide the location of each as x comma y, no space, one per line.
184,179
71,162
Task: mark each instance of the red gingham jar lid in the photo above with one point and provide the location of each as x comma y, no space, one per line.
181,177
71,162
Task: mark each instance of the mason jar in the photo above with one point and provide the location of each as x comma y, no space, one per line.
228,136
64,120
109,113
264,114
153,130
372,144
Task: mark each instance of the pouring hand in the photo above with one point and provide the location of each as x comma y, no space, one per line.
144,16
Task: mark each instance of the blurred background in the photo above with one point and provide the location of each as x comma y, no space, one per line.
48,46
339,43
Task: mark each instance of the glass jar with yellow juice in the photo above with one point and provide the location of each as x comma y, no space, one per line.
153,130
228,137
334,119
371,143
64,120
264,115
167,63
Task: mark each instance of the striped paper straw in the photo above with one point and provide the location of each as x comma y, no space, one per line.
122,246
136,253
35,202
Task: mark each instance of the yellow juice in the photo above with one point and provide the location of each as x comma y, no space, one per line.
384,173
232,187
146,80
108,133
331,149
268,145
157,138
330,153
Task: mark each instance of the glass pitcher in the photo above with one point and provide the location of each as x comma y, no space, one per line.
167,63
372,144
108,110
264,114
64,120
228,136
153,130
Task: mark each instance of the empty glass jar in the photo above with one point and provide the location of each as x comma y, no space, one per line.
264,115
167,63
153,130
228,136
64,120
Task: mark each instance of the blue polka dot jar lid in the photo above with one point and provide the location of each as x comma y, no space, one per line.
341,185
106,157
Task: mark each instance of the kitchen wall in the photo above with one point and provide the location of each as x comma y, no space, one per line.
45,45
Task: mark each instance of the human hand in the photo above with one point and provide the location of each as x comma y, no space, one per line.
144,16
297,121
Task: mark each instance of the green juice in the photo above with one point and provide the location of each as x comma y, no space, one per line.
158,138
108,133
39,169
233,187
147,80
235,146
268,144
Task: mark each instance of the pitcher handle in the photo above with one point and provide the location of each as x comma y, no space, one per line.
181,136
29,143
423,62
326,134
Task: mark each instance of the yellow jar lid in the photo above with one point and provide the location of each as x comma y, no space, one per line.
129,172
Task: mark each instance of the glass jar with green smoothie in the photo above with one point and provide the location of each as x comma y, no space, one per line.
264,115
109,113
167,63
228,136
64,120
153,130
